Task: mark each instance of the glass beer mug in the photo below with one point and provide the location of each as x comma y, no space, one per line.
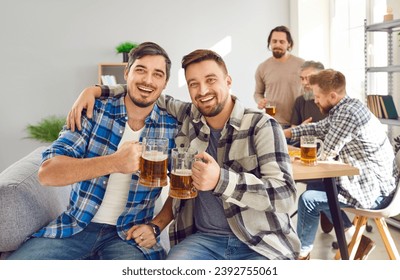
181,183
270,109
309,153
154,162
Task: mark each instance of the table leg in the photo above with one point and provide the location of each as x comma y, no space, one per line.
332,194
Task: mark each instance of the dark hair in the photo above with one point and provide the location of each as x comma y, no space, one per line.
312,64
288,35
149,48
201,55
329,80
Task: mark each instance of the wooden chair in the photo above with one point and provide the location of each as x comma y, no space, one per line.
379,216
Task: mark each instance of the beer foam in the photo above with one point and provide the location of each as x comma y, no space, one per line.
308,145
155,156
182,172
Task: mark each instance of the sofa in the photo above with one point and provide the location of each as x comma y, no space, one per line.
26,205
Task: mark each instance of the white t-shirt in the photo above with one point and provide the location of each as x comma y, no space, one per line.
117,190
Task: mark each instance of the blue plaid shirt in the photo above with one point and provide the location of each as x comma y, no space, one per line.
100,136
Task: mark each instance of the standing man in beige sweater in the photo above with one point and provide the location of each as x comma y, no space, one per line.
277,78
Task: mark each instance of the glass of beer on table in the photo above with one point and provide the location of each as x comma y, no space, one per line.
181,183
309,152
154,162
270,109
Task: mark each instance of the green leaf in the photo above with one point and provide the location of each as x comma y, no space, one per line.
125,47
46,130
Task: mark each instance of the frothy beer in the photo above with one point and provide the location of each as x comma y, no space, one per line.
153,169
270,110
181,184
308,154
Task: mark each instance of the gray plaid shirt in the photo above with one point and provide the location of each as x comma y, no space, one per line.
256,184
355,136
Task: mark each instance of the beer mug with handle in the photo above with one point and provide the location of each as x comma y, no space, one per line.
309,152
270,109
181,183
154,162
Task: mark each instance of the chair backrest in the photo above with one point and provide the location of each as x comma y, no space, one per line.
394,208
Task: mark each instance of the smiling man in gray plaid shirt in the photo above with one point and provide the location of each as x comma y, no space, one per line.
353,135
245,183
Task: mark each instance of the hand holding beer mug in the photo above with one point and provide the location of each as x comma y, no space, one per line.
181,182
154,162
270,109
308,149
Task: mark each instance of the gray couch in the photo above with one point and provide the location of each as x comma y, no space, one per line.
26,205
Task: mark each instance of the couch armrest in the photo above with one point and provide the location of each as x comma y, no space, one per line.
25,205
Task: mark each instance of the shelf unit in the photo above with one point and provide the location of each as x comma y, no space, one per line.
391,68
115,69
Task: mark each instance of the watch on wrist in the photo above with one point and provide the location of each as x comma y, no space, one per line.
156,229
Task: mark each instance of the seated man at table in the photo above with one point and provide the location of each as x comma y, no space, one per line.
353,135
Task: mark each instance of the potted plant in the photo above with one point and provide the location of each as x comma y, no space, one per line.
125,48
46,130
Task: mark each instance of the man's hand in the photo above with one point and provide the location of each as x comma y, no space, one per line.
288,133
127,157
205,172
307,121
262,103
143,235
86,101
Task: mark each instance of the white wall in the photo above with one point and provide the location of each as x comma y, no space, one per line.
50,49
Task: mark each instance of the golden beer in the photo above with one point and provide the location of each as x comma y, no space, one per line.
181,184
270,110
308,154
153,169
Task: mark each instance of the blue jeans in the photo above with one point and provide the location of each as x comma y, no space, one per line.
311,203
208,246
96,241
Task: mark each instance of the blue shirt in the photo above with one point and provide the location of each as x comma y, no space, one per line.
100,136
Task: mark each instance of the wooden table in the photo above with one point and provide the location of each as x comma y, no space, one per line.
327,171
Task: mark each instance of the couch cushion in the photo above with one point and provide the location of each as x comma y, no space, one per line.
25,205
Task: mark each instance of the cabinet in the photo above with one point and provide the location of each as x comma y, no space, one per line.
390,69
113,69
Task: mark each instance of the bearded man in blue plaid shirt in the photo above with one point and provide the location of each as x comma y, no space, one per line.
109,212
353,135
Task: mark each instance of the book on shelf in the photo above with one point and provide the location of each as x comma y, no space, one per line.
108,80
382,106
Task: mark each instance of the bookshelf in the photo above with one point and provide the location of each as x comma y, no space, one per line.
390,69
112,69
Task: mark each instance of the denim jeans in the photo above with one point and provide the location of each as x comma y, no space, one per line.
96,241
311,203
207,246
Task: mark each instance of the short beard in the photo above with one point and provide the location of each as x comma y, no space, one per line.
325,111
218,109
213,113
278,54
141,104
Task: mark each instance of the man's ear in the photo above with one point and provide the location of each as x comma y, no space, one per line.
229,81
126,71
333,96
